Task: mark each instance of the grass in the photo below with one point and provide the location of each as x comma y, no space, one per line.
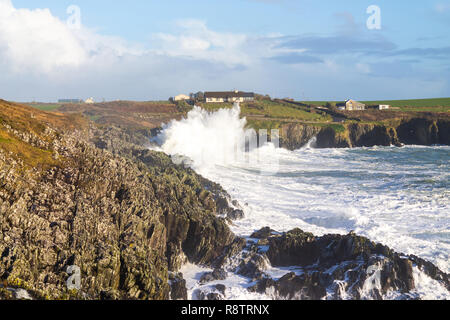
31,156
270,109
412,105
25,119
416,103
45,107
264,124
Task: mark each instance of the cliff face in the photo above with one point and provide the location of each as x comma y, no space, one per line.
125,221
295,136
416,131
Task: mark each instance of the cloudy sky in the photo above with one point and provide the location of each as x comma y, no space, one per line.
148,50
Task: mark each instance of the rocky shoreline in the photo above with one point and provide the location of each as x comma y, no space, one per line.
415,131
130,218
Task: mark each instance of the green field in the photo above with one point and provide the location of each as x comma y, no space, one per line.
415,105
271,109
45,107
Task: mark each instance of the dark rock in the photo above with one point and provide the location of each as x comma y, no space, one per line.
221,288
178,290
252,266
291,286
232,250
347,266
217,274
122,213
418,131
208,296
236,215
264,233
292,248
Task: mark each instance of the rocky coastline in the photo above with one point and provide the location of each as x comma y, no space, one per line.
130,218
415,131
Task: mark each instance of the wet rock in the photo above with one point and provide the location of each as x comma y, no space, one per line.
253,266
230,251
217,274
228,208
292,248
340,267
293,287
178,290
221,288
236,215
264,233
210,294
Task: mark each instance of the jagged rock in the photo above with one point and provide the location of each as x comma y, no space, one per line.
232,250
178,290
236,214
221,288
217,274
292,248
417,131
123,214
340,267
293,287
210,294
264,233
252,266
228,208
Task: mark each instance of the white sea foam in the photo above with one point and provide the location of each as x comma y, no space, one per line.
208,138
397,196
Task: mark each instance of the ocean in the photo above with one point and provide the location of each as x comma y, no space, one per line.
399,197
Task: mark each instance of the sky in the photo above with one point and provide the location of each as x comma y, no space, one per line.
152,50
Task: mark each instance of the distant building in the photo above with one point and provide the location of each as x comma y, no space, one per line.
229,96
380,107
351,105
89,101
181,97
70,101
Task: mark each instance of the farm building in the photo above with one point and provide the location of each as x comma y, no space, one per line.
229,96
181,97
351,105
380,107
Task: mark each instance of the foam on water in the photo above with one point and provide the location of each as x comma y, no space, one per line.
397,196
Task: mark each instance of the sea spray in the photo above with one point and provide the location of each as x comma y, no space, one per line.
325,191
219,138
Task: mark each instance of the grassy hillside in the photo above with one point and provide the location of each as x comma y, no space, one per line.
24,135
270,109
45,106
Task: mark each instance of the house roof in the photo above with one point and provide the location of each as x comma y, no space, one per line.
229,94
355,102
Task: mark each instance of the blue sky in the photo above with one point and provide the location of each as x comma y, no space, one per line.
145,50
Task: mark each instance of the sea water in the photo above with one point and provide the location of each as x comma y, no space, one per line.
399,197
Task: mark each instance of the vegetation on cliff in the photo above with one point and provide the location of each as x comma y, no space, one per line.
124,220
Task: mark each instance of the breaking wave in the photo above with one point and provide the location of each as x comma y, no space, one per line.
396,196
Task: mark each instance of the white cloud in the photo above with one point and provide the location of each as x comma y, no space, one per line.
37,41
194,40
42,58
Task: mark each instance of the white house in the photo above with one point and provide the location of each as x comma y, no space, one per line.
384,107
181,97
229,96
351,105
89,101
